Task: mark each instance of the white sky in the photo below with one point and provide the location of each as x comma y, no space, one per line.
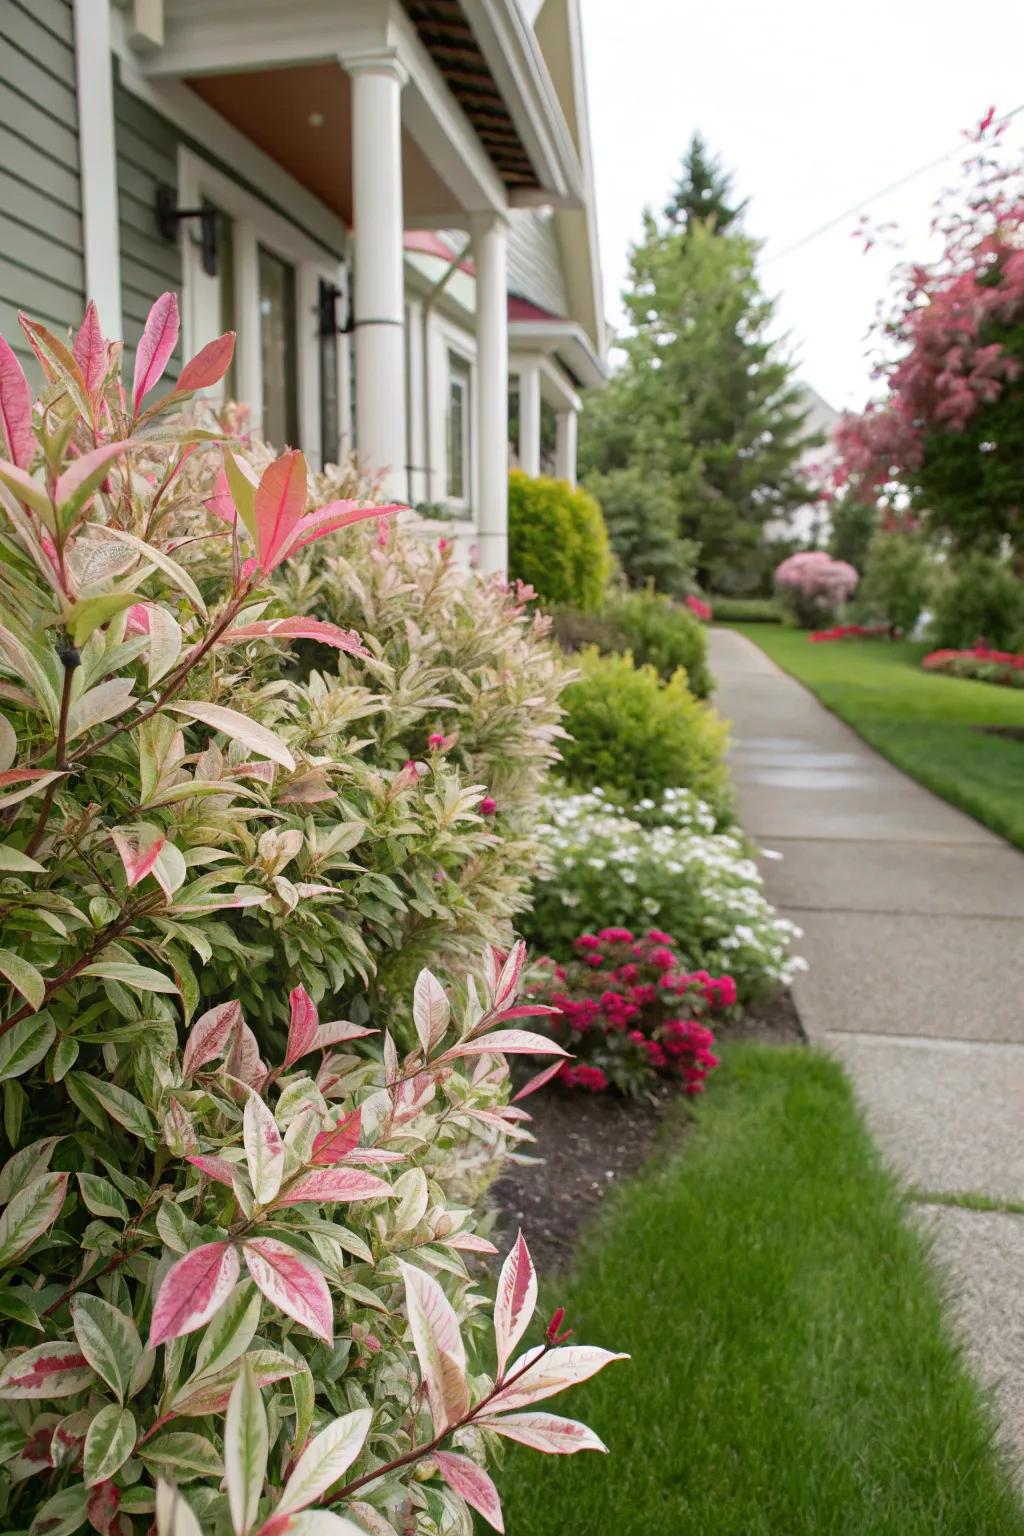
814,106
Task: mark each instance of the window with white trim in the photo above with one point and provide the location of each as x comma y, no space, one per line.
459,437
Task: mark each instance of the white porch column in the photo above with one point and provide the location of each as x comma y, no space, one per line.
101,245
378,310
490,254
565,445
529,418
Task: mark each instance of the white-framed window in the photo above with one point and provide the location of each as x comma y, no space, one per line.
290,368
459,430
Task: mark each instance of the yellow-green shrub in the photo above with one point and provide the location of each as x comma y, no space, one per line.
557,541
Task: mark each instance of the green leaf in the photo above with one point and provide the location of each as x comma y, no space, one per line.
32,1211
108,1339
86,616
64,1513
64,1057
141,978
181,1456
245,1449
100,1197
108,1444
17,1305
119,1104
243,494
24,1046
26,1165
13,861
23,977
231,1331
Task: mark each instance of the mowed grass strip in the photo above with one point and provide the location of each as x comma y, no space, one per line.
792,1371
926,724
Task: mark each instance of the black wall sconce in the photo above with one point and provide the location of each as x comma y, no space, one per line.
328,295
169,216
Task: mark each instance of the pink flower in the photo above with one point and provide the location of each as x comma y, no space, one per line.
588,941
657,937
488,805
664,959
437,741
616,936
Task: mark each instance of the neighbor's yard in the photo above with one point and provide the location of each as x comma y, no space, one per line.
930,726
791,1373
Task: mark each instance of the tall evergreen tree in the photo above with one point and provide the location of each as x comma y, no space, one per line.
706,402
703,192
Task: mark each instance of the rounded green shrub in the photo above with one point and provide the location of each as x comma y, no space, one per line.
557,541
980,599
664,635
632,732
899,576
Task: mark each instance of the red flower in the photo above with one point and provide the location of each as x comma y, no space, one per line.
488,806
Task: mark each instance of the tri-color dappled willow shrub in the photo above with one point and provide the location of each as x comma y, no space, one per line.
231,1256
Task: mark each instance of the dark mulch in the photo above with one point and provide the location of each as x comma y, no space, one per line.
589,1142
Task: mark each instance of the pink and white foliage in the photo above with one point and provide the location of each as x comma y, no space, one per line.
516,1301
241,1199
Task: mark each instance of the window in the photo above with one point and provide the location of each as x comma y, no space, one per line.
280,422
458,429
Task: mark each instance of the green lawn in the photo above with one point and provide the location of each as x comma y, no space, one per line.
925,724
791,1371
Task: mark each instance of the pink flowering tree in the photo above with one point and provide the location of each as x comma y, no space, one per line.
947,434
813,587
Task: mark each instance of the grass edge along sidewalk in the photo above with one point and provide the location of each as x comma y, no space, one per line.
792,1369
930,726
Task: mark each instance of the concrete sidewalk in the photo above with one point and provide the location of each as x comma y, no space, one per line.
913,918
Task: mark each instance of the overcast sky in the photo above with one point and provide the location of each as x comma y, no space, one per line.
814,105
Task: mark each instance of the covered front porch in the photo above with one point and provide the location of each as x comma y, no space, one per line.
356,124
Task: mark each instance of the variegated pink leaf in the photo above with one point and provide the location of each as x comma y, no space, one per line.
86,474
546,1373
431,1010
331,1146
47,1370
298,629
473,1484
159,340
374,1157
292,1283
439,1347
243,1059
209,1036
515,1302
505,1042
15,409
327,1186
468,1242
209,365
193,1290
222,503
337,1031
90,350
545,1432
280,503
525,1011
507,984
264,1149
536,1082
138,861
336,514
217,1168
303,1025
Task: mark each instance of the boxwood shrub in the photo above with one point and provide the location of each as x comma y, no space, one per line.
557,541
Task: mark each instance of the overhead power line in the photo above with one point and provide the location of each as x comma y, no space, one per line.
892,186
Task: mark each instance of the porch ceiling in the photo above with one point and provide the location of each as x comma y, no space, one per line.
301,116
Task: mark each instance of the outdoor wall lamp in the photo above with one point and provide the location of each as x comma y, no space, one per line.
169,216
328,295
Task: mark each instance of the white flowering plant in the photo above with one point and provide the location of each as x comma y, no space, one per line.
609,865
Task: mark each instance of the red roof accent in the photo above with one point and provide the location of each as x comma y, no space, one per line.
429,243
522,309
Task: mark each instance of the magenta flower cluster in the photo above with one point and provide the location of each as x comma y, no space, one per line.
630,1010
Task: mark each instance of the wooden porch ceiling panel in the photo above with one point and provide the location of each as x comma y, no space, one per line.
448,38
301,116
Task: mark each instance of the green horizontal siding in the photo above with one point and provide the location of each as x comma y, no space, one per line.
41,267
147,156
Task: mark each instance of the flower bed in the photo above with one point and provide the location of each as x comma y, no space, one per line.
660,860
629,1011
854,632
980,664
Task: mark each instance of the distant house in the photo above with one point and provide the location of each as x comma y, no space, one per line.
811,522
392,203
